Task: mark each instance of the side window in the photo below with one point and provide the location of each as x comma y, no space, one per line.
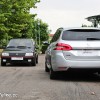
56,36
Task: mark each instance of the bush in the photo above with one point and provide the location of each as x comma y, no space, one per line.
44,47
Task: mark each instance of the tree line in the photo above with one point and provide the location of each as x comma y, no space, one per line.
17,22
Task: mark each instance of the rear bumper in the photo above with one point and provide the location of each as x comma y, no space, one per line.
59,63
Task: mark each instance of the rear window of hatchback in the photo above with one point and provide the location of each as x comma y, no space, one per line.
81,34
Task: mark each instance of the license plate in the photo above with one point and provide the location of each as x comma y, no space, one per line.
17,58
88,53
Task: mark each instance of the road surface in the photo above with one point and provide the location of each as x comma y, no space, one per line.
23,82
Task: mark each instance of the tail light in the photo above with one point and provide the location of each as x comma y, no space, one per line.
62,46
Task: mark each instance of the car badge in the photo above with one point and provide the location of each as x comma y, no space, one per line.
16,54
88,45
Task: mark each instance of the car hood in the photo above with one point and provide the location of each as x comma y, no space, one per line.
17,50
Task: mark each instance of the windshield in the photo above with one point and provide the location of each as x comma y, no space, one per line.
20,43
81,35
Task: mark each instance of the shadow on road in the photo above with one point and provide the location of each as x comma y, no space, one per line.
80,77
18,65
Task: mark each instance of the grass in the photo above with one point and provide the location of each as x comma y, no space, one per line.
1,51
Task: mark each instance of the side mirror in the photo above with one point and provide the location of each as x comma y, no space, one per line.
44,47
46,43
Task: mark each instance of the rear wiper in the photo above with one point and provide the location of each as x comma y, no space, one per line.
93,38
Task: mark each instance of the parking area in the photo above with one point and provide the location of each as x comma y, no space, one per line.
22,82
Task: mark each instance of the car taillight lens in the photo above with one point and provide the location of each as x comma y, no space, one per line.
62,46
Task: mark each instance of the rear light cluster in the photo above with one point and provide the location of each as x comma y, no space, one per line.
62,46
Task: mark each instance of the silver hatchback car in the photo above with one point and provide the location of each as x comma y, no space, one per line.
73,48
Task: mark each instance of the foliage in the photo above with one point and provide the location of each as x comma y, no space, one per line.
84,25
15,19
17,22
40,29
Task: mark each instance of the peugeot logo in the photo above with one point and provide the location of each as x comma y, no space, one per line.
16,54
88,45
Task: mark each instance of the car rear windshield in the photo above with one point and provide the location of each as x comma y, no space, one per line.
79,34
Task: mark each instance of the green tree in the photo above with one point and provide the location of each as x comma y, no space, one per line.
17,22
40,30
15,19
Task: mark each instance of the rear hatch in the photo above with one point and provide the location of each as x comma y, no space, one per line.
84,44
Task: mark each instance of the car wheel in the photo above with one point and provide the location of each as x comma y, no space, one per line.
33,62
46,68
3,63
98,72
52,74
37,60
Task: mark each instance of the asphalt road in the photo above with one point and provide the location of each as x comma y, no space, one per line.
22,82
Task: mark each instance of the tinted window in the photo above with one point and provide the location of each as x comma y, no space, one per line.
56,36
81,35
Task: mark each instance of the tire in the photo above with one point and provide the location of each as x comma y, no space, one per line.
3,63
37,60
33,62
98,72
52,74
46,68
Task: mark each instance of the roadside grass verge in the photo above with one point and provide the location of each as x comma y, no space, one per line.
1,51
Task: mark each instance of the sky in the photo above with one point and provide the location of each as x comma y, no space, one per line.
66,13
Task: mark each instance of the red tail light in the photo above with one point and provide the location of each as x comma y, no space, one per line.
62,46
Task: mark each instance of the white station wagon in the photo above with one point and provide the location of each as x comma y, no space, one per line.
73,48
